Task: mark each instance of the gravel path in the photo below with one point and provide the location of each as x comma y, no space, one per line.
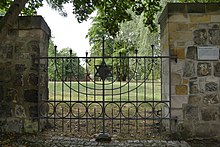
25,141
49,140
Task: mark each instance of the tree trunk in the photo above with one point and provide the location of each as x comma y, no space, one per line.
11,16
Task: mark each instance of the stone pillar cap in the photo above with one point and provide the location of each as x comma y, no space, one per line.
32,22
175,8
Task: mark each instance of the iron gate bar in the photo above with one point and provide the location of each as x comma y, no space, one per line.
122,111
113,57
110,83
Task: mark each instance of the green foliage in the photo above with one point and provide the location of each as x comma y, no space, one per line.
132,36
29,10
198,1
114,11
113,46
64,68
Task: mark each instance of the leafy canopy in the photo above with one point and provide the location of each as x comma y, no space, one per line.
114,11
30,9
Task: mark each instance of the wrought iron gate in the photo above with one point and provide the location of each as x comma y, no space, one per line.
116,95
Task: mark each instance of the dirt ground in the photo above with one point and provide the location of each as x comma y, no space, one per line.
28,139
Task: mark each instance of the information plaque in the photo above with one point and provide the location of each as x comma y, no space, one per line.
208,53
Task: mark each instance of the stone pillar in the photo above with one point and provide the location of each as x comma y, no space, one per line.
192,32
23,78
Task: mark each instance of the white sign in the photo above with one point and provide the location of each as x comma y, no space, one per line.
208,53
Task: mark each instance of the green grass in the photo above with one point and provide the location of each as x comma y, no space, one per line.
119,113
122,91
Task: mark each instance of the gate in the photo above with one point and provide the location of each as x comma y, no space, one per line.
118,96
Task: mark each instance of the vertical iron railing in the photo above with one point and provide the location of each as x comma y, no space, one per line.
125,99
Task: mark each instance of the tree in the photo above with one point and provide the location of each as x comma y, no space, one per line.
64,68
132,36
115,11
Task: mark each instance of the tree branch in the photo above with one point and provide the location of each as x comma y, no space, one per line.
7,22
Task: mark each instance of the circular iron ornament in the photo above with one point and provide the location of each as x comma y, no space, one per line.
112,110
94,109
128,110
161,110
145,110
62,109
78,109
46,109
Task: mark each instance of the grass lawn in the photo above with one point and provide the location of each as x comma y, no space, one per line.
113,92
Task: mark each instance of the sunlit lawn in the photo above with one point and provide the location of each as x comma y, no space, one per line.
119,91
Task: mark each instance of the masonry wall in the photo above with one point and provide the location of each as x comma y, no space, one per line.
194,89
23,78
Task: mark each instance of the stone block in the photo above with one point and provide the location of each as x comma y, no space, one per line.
11,95
185,81
177,101
210,113
1,93
211,86
179,18
20,67
196,8
182,27
217,69
172,27
175,79
187,129
194,99
5,110
189,69
215,131
190,112
201,18
33,111
212,7
176,8
211,99
30,126
181,90
175,112
180,43
18,81
180,53
215,18
33,46
177,36
13,125
5,74
193,26
6,51
202,130
31,95
214,36
204,69
200,36
173,89
191,52
20,111
202,83
33,79
34,63
193,87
